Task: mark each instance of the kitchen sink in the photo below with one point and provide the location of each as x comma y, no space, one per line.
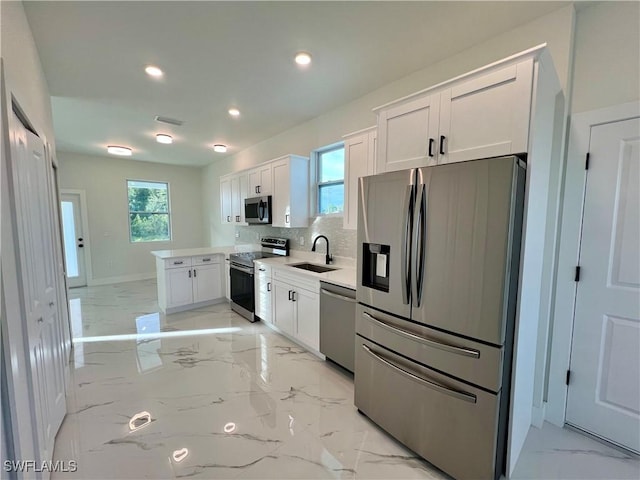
313,267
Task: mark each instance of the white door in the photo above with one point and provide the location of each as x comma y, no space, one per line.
206,283
37,273
74,240
487,116
408,135
308,317
604,387
283,308
179,286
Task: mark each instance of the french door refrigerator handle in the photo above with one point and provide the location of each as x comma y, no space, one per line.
467,352
417,249
406,251
467,397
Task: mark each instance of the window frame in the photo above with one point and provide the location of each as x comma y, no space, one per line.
168,212
318,170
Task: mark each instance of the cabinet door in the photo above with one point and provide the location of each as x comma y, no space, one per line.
226,200
307,305
206,283
263,291
486,116
283,307
179,286
356,156
238,194
407,134
260,181
280,205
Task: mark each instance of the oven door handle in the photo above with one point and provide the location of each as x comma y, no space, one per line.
242,268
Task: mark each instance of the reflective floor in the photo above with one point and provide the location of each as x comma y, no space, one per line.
206,394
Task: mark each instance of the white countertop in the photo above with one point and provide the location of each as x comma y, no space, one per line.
190,252
343,276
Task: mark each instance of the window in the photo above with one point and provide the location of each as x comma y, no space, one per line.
330,180
148,211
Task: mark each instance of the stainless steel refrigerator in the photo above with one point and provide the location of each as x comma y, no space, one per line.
438,260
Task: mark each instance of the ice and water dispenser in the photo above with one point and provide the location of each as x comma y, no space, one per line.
375,266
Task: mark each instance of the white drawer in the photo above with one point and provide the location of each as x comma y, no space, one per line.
177,262
207,259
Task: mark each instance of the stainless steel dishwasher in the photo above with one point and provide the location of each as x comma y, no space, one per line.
337,324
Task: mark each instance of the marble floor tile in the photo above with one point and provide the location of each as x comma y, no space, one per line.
206,394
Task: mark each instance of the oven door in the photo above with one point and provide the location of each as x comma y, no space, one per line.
242,286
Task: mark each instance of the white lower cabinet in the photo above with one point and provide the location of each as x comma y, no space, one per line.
296,310
189,282
263,293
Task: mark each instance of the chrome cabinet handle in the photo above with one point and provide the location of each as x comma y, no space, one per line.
467,397
467,352
194,273
268,286
335,295
189,273
290,295
286,218
442,139
228,218
293,296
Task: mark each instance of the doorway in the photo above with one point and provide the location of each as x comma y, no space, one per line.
72,208
603,395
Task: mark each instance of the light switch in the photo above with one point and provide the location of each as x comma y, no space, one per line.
381,265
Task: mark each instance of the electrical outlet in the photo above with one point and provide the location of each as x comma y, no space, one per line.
301,241
237,234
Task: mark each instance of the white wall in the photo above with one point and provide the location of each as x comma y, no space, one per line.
607,56
104,179
555,29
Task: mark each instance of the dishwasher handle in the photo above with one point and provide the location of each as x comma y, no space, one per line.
324,291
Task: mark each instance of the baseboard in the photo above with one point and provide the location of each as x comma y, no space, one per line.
121,279
538,414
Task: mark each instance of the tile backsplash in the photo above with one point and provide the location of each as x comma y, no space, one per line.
342,242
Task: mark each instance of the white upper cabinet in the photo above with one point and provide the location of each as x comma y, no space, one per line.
407,134
481,114
290,202
359,161
233,191
261,181
487,116
225,200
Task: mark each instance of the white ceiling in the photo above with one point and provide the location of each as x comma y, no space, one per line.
221,54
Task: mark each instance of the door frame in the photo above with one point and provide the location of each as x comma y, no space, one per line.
84,218
559,353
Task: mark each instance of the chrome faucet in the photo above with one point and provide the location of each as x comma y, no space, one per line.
328,258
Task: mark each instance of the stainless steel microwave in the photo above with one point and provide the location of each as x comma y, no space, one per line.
257,210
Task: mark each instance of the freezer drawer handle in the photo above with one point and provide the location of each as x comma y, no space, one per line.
335,295
467,397
467,352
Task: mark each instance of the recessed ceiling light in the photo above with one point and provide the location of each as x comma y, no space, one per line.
122,151
153,71
220,148
234,112
164,138
303,58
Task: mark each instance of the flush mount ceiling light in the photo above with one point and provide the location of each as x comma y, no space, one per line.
122,151
218,147
303,58
234,112
164,138
153,71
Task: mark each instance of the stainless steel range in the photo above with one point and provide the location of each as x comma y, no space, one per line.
242,274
